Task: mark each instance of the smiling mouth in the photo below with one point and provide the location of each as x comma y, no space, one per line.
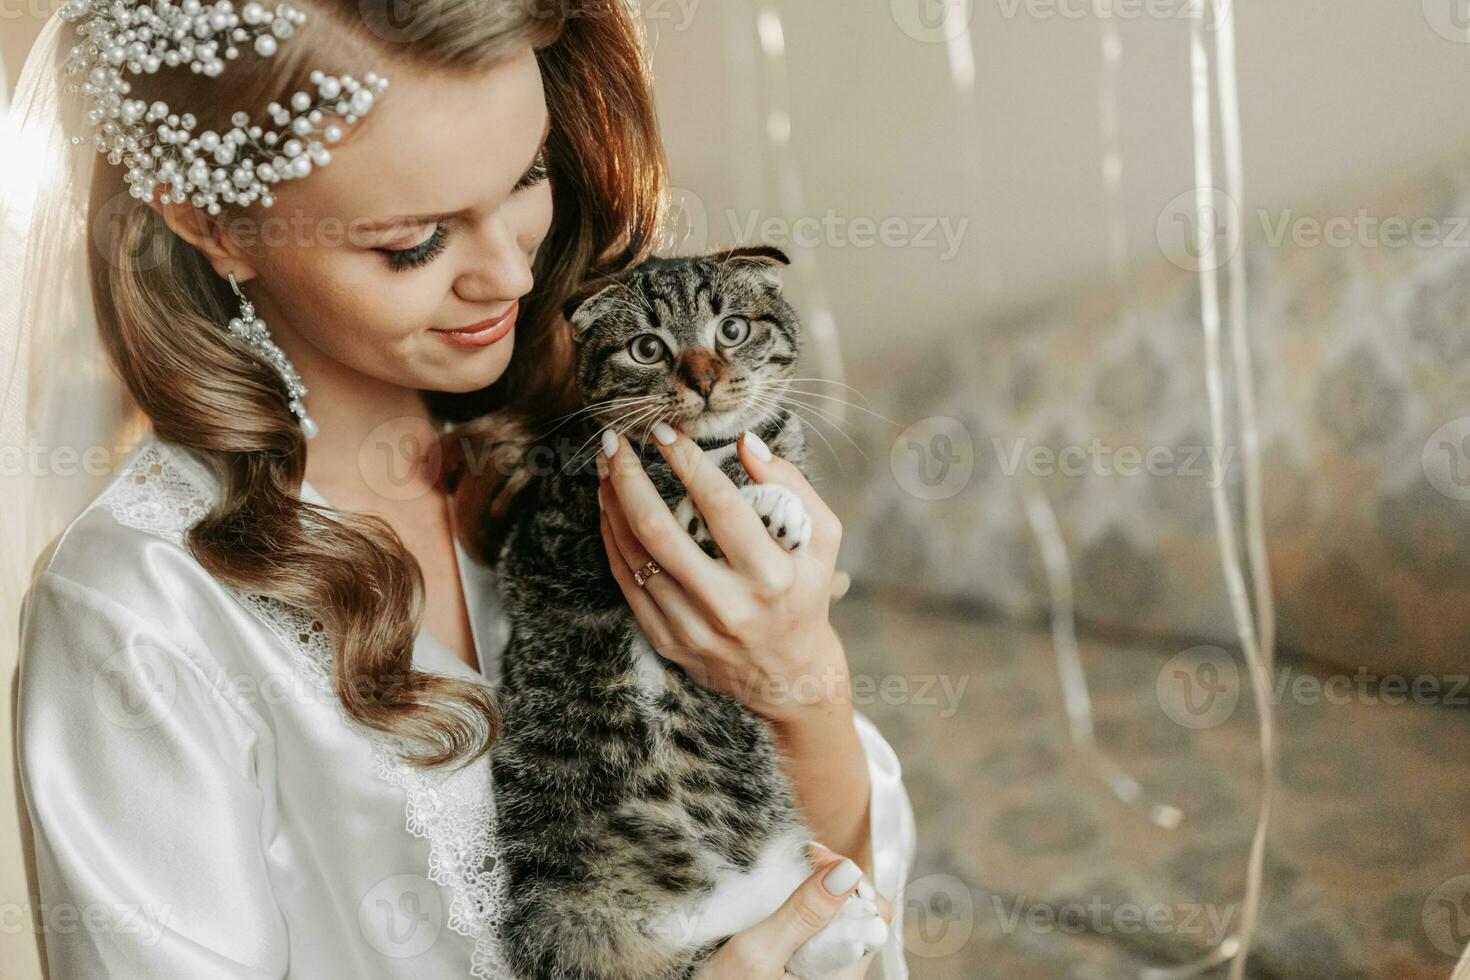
483,333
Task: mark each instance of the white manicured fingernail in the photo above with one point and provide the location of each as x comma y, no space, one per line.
609,443
664,433
757,447
841,878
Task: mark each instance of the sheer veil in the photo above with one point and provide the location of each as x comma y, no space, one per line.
65,418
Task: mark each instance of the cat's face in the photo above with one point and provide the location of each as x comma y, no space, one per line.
703,343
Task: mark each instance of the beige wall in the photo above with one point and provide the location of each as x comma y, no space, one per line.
1332,95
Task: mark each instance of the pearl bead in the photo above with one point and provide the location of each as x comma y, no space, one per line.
308,427
159,149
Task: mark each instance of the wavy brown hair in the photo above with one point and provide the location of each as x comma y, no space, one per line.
161,310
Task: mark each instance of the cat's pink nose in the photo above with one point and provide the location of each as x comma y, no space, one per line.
700,370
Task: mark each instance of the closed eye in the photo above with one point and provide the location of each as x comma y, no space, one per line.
419,255
537,172
432,247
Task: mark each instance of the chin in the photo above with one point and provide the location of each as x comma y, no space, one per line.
722,424
471,374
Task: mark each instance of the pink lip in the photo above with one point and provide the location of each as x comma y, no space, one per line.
482,334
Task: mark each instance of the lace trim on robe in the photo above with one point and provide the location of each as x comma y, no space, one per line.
164,492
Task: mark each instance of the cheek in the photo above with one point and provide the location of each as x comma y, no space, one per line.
349,304
533,216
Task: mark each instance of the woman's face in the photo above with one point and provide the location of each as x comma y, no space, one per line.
425,221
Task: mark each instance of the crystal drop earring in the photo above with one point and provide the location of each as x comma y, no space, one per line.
251,329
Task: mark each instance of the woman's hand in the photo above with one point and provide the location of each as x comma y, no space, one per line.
754,626
762,951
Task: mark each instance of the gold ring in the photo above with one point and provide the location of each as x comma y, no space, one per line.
647,572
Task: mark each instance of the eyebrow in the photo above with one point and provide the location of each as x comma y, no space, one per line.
424,219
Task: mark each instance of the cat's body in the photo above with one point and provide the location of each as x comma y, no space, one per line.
642,817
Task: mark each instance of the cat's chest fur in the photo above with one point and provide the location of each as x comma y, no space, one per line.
669,780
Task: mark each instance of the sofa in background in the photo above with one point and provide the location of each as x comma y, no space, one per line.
1362,355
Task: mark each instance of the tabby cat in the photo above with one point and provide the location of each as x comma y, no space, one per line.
643,818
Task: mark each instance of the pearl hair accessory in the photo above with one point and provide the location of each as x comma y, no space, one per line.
158,146
251,329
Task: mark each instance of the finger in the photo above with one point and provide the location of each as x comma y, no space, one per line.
814,904
650,617
684,619
764,467
885,907
733,523
654,526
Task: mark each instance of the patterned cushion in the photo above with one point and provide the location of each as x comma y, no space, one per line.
1362,357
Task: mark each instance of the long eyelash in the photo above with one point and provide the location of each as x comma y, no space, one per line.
421,254
427,251
536,174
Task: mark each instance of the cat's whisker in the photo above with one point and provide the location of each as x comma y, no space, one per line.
790,402
782,388
817,412
841,401
828,381
576,461
811,426
649,430
775,408
595,407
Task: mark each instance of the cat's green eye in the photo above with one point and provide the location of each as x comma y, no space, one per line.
646,348
733,331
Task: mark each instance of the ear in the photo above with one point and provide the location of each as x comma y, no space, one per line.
767,259
580,308
210,236
765,254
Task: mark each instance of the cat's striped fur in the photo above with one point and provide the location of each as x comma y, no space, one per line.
636,809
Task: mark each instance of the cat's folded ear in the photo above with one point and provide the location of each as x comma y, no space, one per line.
580,308
766,259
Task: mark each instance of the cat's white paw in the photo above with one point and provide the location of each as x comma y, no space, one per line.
783,513
857,931
692,521
780,509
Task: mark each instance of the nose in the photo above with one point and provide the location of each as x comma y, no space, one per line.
699,370
498,268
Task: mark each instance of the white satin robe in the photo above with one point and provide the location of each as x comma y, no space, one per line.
201,806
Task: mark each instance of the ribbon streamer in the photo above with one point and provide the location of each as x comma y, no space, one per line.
1252,635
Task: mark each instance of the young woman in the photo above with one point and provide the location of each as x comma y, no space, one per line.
254,709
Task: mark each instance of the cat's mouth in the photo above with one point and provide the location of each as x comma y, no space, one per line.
715,424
